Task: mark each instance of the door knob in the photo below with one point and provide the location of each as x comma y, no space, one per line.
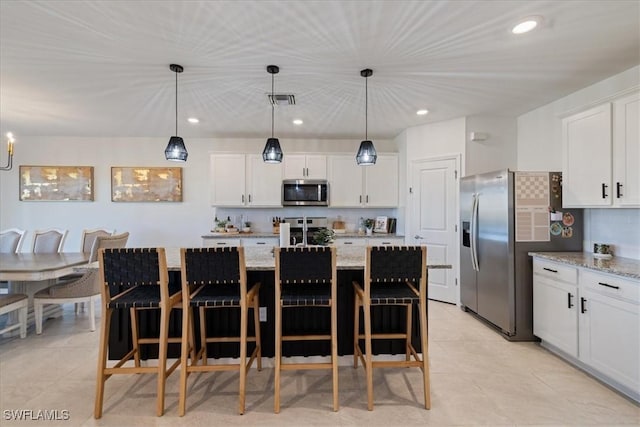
418,237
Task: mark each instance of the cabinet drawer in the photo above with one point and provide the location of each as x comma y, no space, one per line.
386,241
216,243
614,286
349,242
557,271
263,242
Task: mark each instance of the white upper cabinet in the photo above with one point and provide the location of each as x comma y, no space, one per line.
351,185
601,152
245,180
305,166
586,172
227,179
626,154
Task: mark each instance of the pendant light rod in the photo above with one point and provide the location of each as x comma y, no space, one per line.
366,73
176,69
272,69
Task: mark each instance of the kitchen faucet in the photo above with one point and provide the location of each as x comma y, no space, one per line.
304,231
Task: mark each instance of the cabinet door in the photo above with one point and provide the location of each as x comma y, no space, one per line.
228,179
610,337
266,242
216,243
555,314
294,166
345,241
264,182
345,181
385,241
381,182
626,146
316,166
587,153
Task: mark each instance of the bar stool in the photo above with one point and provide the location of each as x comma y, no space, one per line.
214,278
390,278
136,279
306,277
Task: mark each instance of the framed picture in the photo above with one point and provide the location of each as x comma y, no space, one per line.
146,184
56,183
381,225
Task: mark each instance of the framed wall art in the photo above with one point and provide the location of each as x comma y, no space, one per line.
146,184
56,183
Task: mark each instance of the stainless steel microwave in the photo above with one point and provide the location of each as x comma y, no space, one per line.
305,192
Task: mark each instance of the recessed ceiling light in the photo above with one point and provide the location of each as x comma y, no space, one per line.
526,25
193,120
297,121
422,112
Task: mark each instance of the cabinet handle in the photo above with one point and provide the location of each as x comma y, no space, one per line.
221,243
243,198
569,297
618,188
307,169
367,198
604,190
361,198
249,198
303,172
582,309
348,243
550,269
386,243
608,285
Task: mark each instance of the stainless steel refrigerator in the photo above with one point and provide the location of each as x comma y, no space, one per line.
504,215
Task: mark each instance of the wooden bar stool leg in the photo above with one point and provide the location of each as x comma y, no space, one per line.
244,314
334,353
256,322
162,358
424,341
102,361
187,335
278,355
368,358
356,330
133,314
408,339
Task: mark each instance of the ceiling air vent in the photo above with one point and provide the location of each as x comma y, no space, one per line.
282,99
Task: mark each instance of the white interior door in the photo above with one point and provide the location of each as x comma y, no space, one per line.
434,211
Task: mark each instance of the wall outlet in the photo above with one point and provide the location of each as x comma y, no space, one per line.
263,314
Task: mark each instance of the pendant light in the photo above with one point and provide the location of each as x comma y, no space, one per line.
367,152
176,150
272,152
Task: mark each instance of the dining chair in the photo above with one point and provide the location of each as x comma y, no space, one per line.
216,278
393,276
15,302
86,288
136,280
48,241
86,243
305,277
11,240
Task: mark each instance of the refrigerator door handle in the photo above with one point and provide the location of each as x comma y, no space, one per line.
474,232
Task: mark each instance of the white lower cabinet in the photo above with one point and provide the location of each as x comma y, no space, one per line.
555,296
267,242
216,243
594,322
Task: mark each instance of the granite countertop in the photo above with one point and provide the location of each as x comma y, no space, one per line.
626,267
276,235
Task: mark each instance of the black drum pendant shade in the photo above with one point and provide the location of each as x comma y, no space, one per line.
176,150
367,152
272,152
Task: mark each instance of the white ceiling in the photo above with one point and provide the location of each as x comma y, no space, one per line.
71,68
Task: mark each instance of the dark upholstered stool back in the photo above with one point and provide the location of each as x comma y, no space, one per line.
305,265
205,266
128,267
396,264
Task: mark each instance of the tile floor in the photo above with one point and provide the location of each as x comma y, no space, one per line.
477,377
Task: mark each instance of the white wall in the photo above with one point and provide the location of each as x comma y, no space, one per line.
498,151
150,224
540,148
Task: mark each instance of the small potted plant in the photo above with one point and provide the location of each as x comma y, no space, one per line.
246,227
221,225
368,225
323,237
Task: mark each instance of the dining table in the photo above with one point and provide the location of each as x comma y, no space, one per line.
28,272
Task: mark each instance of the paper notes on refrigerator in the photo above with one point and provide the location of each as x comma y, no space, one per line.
532,206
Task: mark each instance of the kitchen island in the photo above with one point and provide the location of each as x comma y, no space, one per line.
260,264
